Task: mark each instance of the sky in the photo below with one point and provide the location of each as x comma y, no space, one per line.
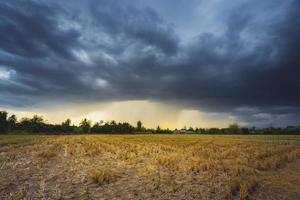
174,63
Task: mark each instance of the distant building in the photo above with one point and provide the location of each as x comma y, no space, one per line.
183,131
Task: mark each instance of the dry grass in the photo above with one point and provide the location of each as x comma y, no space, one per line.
104,176
48,154
241,187
144,166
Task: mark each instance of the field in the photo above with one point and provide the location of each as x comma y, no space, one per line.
149,167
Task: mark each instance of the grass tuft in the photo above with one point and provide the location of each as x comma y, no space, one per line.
104,176
241,187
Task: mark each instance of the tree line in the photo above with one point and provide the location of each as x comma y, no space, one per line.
36,124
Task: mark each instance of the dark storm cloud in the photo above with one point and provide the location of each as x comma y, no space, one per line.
31,29
121,20
112,50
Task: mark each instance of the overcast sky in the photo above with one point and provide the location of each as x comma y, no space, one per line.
172,62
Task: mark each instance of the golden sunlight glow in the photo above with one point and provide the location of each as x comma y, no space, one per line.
150,113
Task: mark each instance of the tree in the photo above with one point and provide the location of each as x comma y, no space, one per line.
12,121
66,126
139,125
234,128
158,129
96,128
3,122
25,124
113,123
66,123
37,124
191,129
85,125
245,131
37,119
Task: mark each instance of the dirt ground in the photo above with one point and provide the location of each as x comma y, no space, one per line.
149,167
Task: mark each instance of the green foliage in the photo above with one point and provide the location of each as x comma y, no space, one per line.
12,122
158,129
85,125
66,123
234,128
66,126
139,125
112,127
37,124
3,121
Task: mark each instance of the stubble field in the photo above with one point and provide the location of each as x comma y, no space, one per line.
149,167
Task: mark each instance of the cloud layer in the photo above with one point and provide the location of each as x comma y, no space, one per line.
240,57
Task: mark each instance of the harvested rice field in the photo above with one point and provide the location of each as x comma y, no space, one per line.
149,167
